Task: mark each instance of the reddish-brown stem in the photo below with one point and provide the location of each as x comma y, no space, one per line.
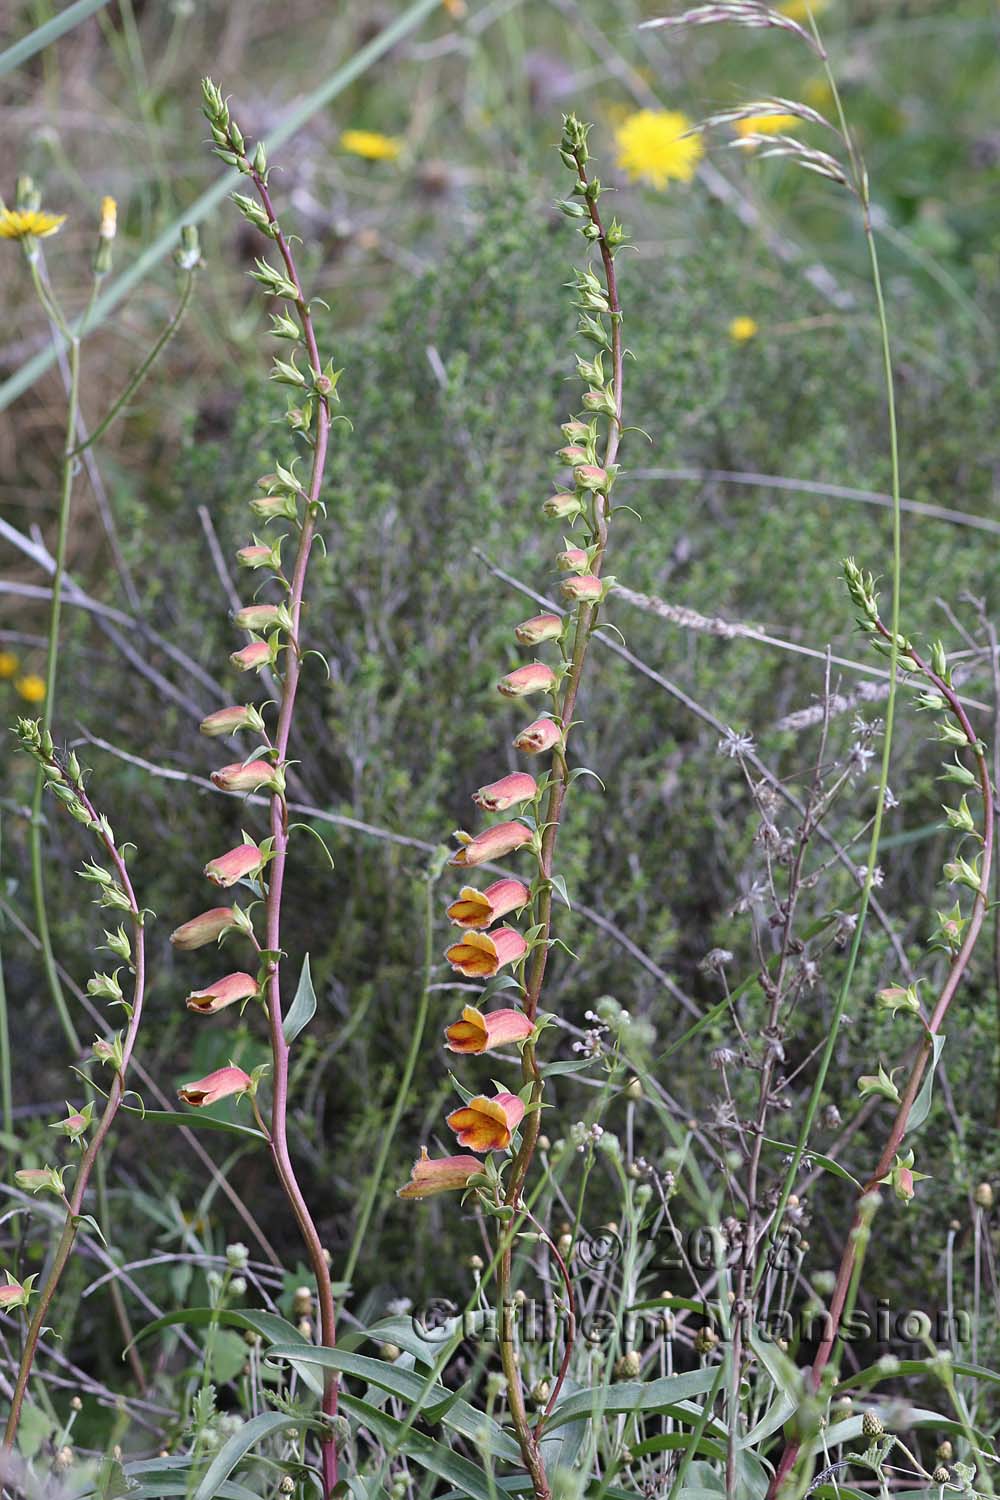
276,868
585,621
932,1029
87,1162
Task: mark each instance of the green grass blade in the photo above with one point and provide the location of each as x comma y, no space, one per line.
24,378
43,36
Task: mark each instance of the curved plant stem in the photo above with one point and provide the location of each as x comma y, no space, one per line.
847,1272
584,626
75,1204
72,340
276,869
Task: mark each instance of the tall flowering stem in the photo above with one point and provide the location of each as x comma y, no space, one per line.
277,632
115,892
533,809
593,484
957,934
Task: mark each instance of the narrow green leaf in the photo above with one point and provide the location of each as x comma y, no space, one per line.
826,1162
271,1328
44,36
467,1477
663,1395
922,1103
239,1445
303,1007
195,1119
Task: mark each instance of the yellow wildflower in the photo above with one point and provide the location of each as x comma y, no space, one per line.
31,688
8,664
798,10
766,125
109,219
653,146
18,224
742,328
371,144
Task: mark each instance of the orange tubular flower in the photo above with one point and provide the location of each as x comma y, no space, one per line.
235,865
479,955
443,1175
223,992
204,929
476,1032
492,843
509,791
536,677
482,908
487,1124
539,736
215,1086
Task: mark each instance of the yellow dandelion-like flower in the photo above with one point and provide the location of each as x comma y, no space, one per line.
798,10
766,125
18,224
8,664
653,146
31,688
371,144
742,328
109,219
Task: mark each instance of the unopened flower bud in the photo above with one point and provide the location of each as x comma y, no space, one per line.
246,776
562,506
573,455
275,507
590,477
232,720
540,1392
539,628
475,1262
984,1195
236,864
536,677
628,1367
705,1340
252,658
941,1475
237,1256
944,1451
872,1425
585,590
389,1352
305,1328
259,617
573,560
509,791
207,928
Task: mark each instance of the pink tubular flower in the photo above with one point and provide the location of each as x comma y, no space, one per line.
215,1086
574,560
38,1179
492,843
251,658
509,791
479,955
536,677
236,864
231,720
243,776
487,1124
475,1032
591,478
538,628
562,505
442,1175
225,991
13,1294
573,455
257,556
482,908
588,589
207,928
541,735
257,617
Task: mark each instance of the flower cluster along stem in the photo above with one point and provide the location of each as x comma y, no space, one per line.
315,430
585,623
39,744
856,1238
